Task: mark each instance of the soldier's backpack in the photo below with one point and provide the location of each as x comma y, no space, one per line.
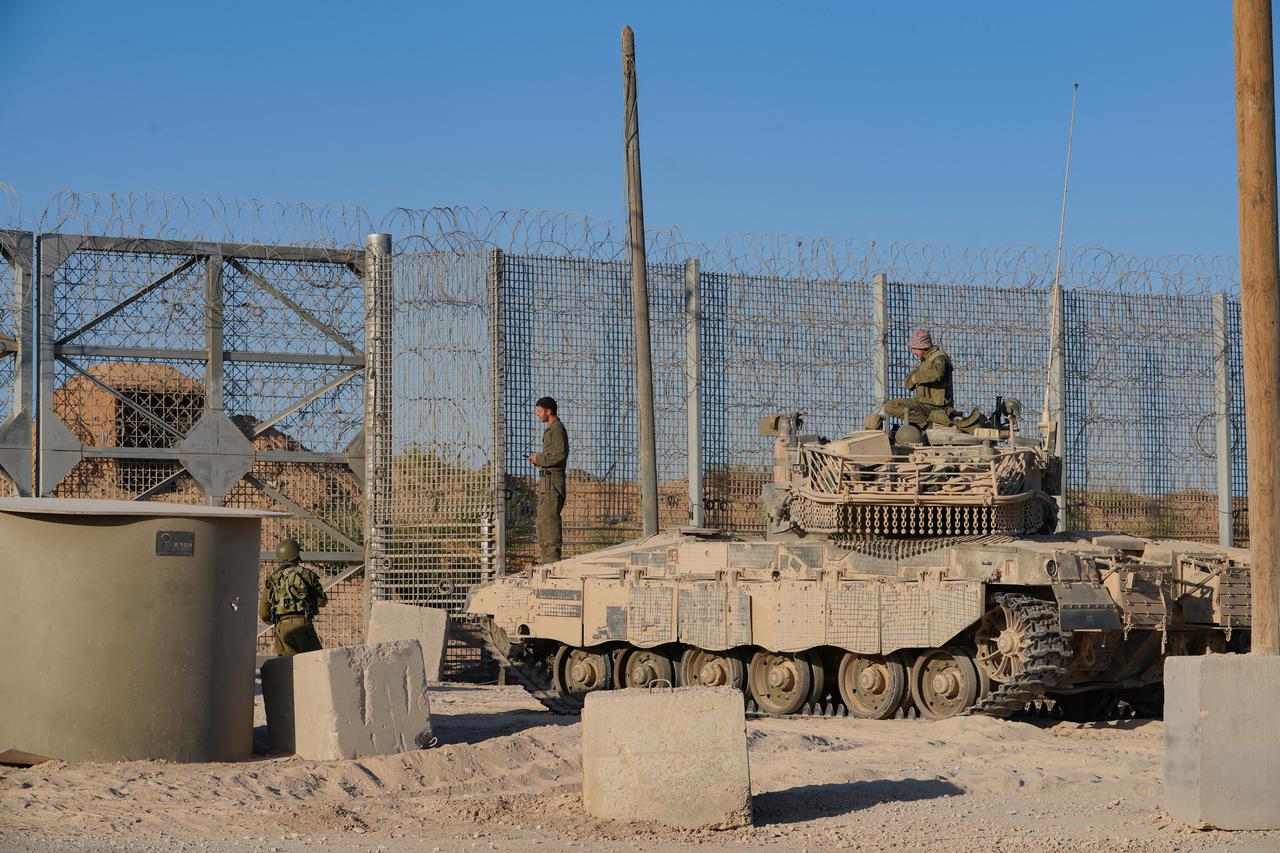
290,593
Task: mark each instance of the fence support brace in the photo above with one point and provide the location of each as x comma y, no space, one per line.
378,298
497,370
879,341
693,385
1058,391
1222,422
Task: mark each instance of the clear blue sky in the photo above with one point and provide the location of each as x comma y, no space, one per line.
921,121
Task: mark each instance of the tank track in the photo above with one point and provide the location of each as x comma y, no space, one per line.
533,675
1046,664
1046,659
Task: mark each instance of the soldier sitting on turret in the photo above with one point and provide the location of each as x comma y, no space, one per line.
934,402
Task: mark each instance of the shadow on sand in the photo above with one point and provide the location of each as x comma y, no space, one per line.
473,728
808,802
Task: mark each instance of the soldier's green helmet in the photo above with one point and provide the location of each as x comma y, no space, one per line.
287,551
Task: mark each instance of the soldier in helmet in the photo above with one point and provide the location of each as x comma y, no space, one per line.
291,597
930,380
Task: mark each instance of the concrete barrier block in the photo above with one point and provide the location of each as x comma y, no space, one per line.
277,696
1222,741
390,620
678,757
348,702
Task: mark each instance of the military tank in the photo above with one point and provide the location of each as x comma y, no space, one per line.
897,572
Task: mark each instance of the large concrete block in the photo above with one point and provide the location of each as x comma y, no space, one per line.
1222,741
390,620
277,697
674,756
348,702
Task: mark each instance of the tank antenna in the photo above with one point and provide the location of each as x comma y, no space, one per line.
1057,268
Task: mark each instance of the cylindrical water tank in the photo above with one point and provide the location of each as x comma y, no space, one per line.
127,629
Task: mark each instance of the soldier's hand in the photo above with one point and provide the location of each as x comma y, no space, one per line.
533,459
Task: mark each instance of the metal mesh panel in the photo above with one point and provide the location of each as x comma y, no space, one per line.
1140,414
567,334
773,345
1239,442
997,340
439,537
130,383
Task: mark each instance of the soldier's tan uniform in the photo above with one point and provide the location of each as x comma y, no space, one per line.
933,402
291,597
551,463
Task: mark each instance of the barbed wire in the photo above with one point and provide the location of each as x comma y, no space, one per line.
165,216
555,234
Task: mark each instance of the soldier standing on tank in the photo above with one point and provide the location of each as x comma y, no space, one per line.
551,462
291,597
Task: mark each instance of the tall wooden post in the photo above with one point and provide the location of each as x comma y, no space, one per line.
1260,307
639,289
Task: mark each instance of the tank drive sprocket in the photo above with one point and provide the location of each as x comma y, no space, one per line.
1024,652
533,674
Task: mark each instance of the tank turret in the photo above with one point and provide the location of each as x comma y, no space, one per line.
945,483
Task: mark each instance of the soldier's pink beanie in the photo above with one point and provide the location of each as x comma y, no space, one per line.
920,339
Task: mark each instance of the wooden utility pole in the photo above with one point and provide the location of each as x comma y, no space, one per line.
1260,307
639,289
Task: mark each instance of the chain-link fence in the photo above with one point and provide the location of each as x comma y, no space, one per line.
1139,404
490,310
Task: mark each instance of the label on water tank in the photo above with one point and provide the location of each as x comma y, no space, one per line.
175,543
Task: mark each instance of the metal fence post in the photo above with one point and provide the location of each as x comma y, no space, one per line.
378,300
879,341
693,385
498,428
1222,410
1057,391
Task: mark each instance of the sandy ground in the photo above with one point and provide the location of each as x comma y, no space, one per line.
506,776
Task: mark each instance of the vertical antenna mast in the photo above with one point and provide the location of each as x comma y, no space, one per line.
1066,180
1054,331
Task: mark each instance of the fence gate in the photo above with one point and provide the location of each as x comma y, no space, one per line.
224,373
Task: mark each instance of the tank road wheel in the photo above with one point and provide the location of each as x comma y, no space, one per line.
646,667
782,683
1003,640
700,668
577,672
617,656
872,686
943,683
